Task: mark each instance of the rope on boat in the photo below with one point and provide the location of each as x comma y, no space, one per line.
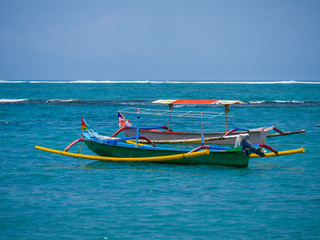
94,134
80,147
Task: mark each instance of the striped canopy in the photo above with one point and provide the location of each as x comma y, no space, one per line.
215,102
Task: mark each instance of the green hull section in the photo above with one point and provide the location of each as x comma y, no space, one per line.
225,158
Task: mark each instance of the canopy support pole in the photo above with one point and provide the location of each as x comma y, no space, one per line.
138,119
227,110
202,142
170,108
226,122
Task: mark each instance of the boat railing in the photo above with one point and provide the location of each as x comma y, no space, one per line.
176,113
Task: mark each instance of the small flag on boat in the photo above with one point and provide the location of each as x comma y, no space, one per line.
121,119
122,122
84,125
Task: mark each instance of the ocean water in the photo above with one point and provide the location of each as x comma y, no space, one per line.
47,196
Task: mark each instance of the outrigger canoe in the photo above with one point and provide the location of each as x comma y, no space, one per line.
126,150
227,137
258,135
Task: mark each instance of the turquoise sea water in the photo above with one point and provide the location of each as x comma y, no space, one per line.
47,196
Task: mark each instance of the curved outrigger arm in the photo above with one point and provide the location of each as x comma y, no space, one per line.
247,130
268,147
74,143
108,140
245,144
256,149
272,128
281,133
235,129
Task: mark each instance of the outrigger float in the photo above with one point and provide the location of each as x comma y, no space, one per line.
167,135
130,150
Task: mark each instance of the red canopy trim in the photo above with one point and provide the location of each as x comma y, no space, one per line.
195,101
218,102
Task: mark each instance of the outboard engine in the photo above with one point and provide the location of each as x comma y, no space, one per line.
239,139
242,140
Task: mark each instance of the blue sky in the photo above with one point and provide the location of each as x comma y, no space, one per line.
159,40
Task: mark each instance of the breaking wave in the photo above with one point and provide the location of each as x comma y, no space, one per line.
5,100
74,102
156,82
278,101
283,103
83,102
